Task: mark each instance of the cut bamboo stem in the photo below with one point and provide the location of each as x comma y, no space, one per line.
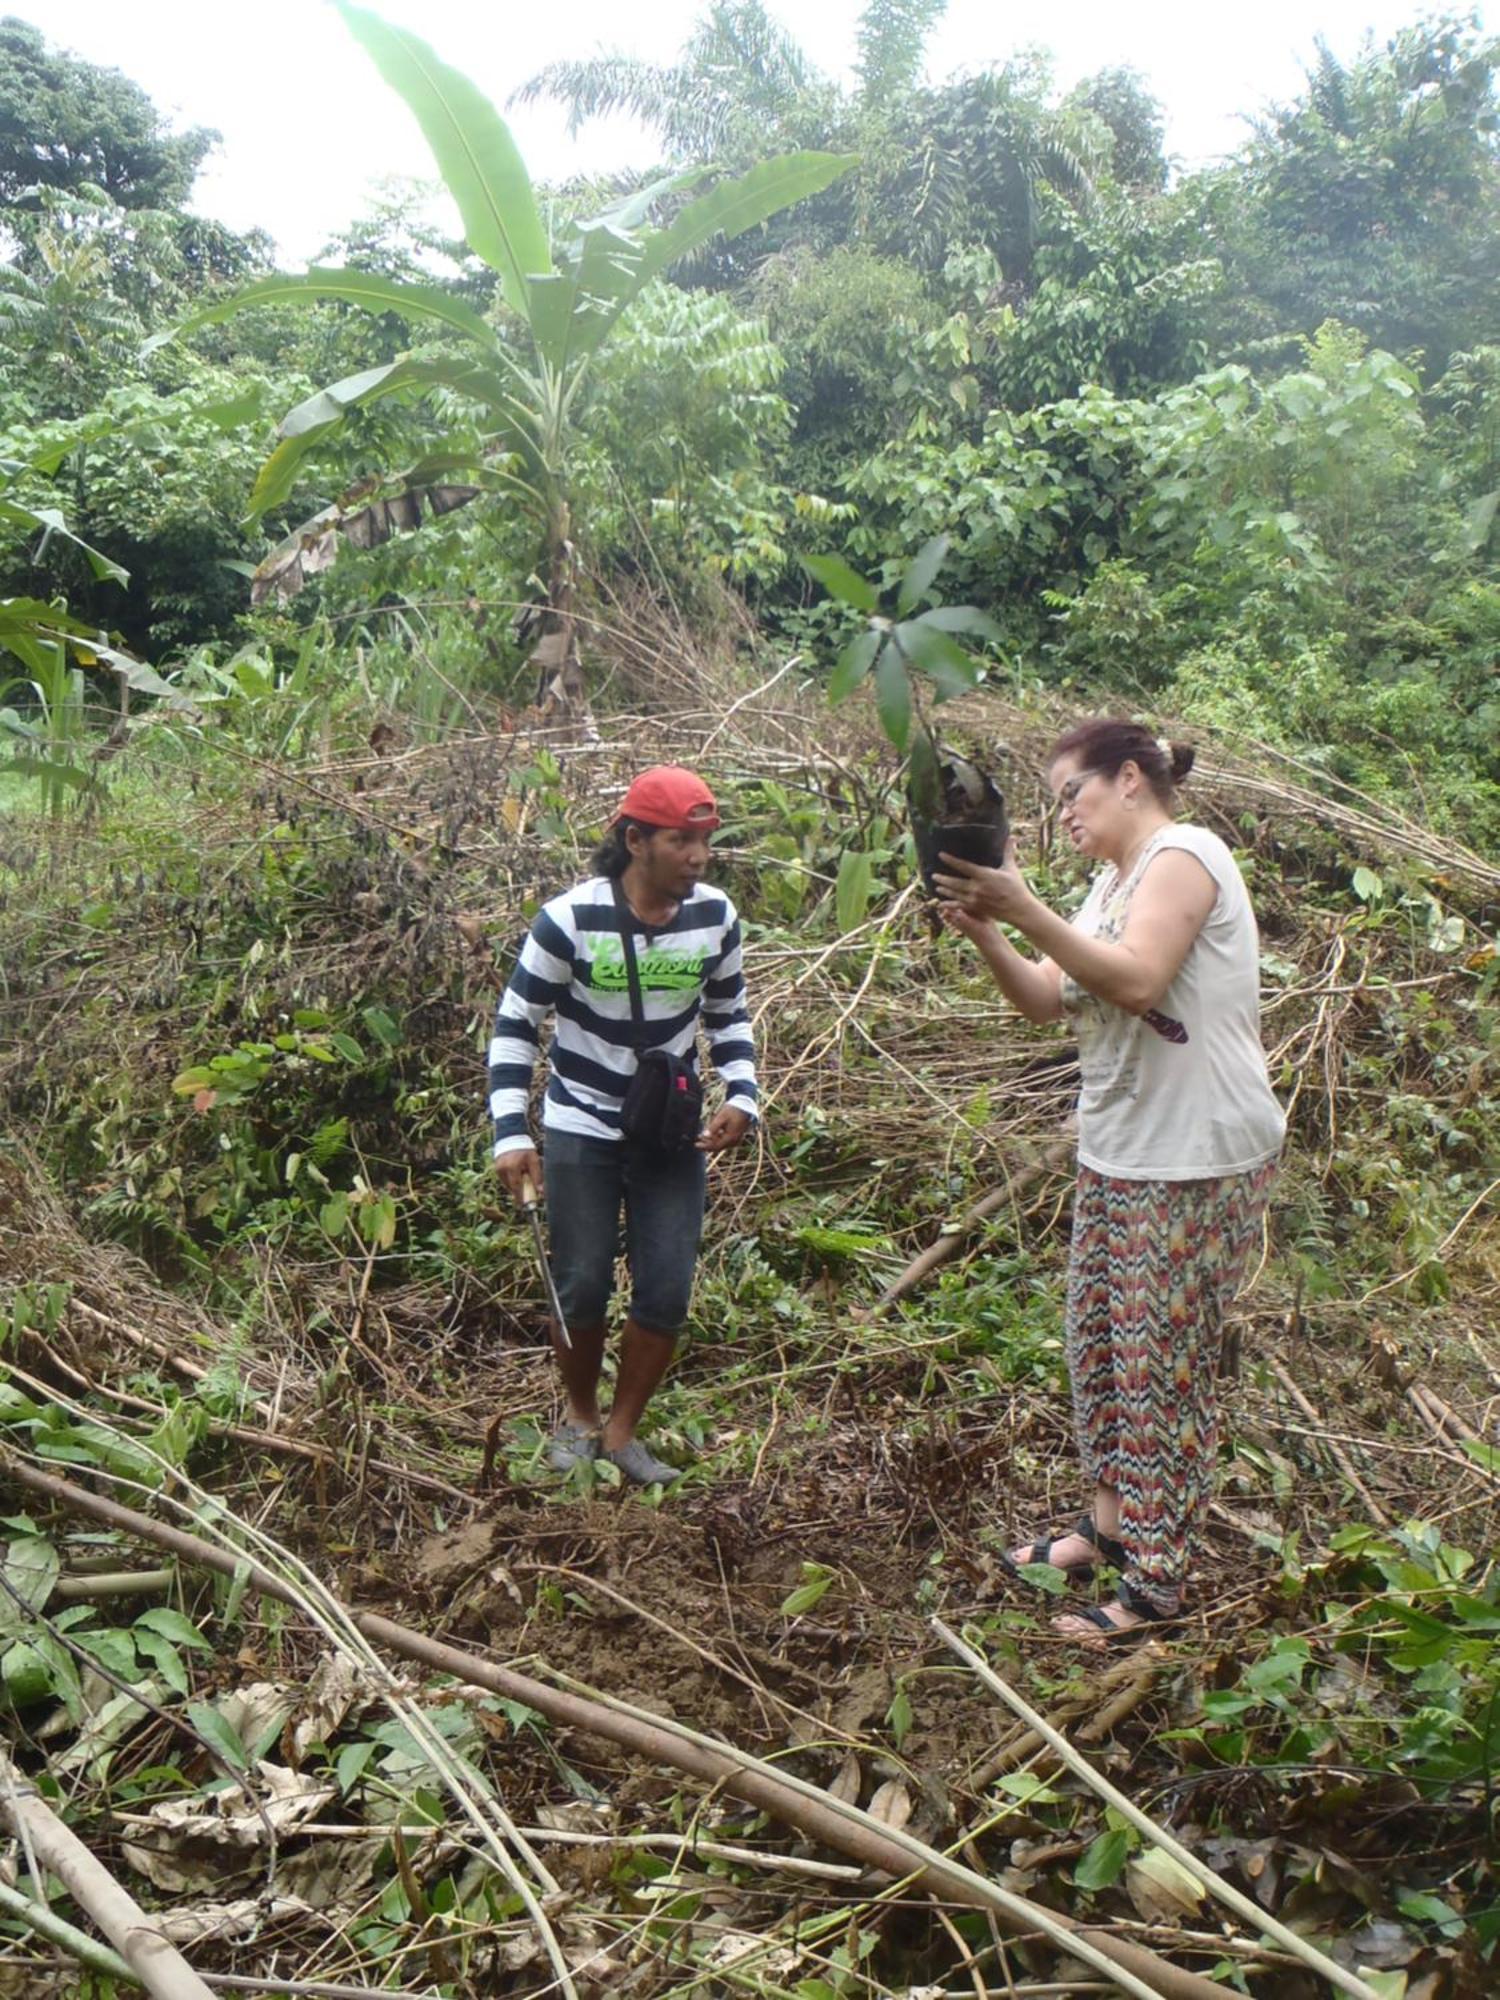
153,1962
113,1583
949,1243
101,1958
1133,1968
1226,1893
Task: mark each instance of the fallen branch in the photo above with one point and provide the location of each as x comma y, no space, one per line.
1227,1894
946,1246
55,1848
1133,1968
1090,1699
1335,1450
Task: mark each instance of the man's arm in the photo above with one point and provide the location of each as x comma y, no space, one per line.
726,1021
543,974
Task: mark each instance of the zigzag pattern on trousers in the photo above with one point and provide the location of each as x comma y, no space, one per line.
1153,1269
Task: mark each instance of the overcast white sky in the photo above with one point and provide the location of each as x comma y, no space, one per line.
308,126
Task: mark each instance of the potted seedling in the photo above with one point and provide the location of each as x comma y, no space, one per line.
956,807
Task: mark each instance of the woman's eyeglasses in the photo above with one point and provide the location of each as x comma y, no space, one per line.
1067,792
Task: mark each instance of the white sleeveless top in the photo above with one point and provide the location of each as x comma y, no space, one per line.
1180,1093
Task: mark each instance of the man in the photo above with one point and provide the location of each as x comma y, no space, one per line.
685,938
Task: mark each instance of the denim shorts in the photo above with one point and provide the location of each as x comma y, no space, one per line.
587,1182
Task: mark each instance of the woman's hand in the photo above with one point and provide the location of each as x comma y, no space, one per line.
976,895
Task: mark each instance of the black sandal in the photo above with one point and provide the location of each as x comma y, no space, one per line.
1129,1599
1112,1551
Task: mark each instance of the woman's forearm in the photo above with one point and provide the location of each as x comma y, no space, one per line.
1032,989
1111,972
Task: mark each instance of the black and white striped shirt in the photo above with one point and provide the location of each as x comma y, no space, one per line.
573,965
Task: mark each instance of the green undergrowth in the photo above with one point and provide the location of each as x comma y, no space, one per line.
246,1021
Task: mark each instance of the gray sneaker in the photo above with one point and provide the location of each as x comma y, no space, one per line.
641,1466
572,1444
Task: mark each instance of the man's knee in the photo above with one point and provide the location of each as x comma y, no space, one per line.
660,1307
583,1292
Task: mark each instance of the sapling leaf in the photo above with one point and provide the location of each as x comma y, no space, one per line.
962,618
853,663
921,572
940,657
842,582
893,696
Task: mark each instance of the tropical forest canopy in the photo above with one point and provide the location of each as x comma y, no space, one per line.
1222,444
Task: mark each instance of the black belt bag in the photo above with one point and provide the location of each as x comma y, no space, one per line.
663,1106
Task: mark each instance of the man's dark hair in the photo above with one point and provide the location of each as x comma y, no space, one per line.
612,857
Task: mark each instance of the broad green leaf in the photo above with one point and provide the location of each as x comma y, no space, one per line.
475,153
921,573
350,288
939,656
381,1025
172,1625
842,582
854,662
1029,1788
852,896
962,618
348,1048
1103,1861
349,1764
735,206
165,1657
54,527
893,696
26,1675
60,1665
217,1733
302,427
1424,1908
573,310
31,1567
1046,1576
114,1650
48,771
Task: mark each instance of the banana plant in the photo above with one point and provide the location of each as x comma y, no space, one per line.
525,377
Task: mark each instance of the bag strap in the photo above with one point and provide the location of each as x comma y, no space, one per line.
627,945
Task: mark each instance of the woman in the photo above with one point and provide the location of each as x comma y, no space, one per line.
1178,1137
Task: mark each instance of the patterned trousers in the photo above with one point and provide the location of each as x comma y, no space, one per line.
1153,1269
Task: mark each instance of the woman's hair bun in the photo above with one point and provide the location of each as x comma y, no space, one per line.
1180,760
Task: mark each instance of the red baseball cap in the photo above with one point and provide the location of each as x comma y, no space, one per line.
668,795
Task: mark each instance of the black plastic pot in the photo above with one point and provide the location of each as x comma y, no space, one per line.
980,841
